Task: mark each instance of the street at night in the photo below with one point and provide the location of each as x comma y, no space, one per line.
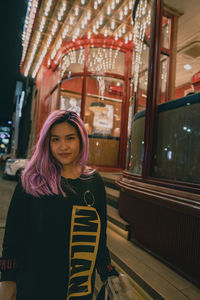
7,187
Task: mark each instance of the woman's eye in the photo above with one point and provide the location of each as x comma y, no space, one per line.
54,139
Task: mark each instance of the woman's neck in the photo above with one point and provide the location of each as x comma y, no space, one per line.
72,173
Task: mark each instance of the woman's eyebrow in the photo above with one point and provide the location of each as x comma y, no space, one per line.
67,135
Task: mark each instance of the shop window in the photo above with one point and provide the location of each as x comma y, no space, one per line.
164,67
103,60
177,130
176,155
73,62
103,119
180,42
71,94
166,30
139,81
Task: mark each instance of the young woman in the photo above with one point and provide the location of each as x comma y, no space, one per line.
55,234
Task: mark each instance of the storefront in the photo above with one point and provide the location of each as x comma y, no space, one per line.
160,185
80,56
128,67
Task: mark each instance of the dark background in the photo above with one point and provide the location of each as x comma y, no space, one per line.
12,16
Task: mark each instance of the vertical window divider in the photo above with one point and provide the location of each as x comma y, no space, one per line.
153,85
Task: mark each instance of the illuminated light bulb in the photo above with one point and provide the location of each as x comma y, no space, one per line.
49,41
97,24
124,28
82,25
126,40
82,2
121,15
89,15
99,1
101,20
108,10
89,34
125,10
106,33
58,44
130,4
113,5
76,11
71,20
53,54
112,25
116,36
95,5
85,20
130,37
120,33
117,1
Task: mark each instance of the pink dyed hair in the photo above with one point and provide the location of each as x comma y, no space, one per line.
42,175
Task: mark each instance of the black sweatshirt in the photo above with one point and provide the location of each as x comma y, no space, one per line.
53,244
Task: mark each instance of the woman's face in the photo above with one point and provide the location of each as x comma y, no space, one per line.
65,144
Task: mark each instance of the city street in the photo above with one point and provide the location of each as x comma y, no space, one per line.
6,190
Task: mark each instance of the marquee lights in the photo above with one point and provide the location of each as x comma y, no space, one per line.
62,10
142,20
103,60
71,58
48,7
79,21
30,16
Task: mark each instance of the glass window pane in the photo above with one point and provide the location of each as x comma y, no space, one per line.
178,141
164,61
140,66
71,94
175,155
165,38
103,119
185,47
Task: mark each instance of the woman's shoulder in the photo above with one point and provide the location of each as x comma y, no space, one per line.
21,191
91,174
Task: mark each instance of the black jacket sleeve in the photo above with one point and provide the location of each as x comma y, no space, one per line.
103,262
15,235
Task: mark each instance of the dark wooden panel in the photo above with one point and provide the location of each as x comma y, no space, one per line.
165,226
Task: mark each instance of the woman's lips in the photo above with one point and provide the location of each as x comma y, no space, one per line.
64,155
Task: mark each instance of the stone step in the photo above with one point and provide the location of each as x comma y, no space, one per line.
112,196
110,179
150,277
114,217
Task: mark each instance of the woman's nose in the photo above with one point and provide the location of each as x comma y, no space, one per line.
63,145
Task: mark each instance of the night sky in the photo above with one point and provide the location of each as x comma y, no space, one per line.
12,15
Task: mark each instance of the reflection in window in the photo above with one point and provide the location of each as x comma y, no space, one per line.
164,61
140,66
166,23
70,96
177,151
71,103
103,119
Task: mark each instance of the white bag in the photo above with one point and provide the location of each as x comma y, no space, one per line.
119,288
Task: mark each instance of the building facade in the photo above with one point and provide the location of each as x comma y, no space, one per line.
130,69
